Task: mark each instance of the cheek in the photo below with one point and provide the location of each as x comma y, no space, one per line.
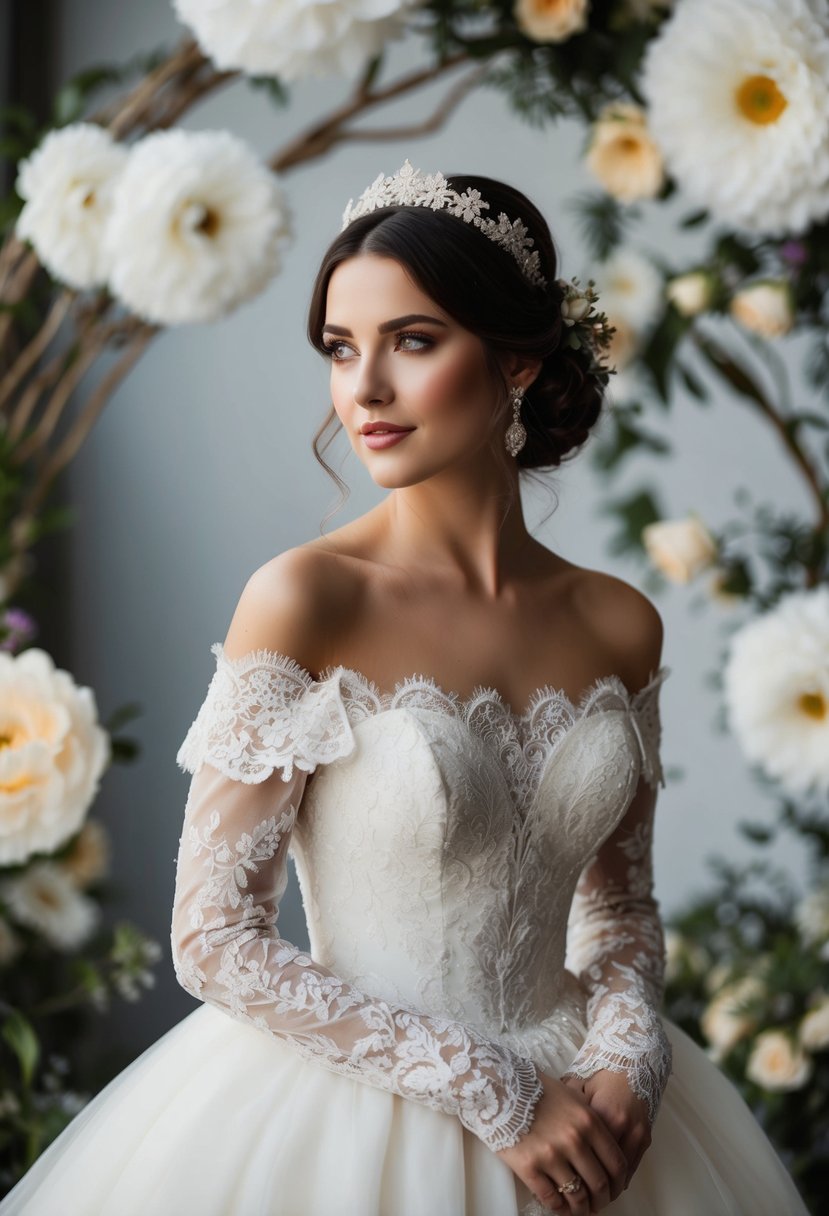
453,386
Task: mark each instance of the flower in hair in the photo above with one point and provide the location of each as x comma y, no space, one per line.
587,330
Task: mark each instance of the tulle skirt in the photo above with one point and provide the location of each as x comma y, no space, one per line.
217,1118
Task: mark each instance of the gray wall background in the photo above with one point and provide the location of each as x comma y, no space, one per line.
201,470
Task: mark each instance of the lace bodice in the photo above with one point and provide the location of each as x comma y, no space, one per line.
477,882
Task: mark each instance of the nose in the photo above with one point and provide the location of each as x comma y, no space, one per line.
372,387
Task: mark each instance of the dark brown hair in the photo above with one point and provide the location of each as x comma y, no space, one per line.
481,286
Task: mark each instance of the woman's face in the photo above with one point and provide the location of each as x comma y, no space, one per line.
396,357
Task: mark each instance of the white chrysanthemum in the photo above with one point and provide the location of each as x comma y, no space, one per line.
197,226
776,685
52,757
738,98
292,38
67,184
44,898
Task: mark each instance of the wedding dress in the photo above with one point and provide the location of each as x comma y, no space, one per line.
478,890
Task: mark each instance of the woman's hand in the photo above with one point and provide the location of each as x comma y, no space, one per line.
568,1137
626,1115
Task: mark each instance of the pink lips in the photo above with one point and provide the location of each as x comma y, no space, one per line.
379,439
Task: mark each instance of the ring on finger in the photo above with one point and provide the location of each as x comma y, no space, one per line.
568,1188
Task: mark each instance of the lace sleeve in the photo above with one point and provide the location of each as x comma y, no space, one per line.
263,728
615,937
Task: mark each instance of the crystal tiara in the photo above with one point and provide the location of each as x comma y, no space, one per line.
411,188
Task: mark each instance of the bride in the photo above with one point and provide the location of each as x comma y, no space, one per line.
455,733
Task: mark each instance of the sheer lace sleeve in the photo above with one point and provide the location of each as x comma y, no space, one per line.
263,728
615,937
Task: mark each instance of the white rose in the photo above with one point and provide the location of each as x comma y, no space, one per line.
691,293
53,755
721,1023
814,1028
776,1064
680,548
88,859
765,308
574,308
551,20
45,899
622,154
812,916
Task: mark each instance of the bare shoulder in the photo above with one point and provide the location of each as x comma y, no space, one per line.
295,604
625,623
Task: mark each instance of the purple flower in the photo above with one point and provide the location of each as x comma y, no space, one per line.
795,253
19,628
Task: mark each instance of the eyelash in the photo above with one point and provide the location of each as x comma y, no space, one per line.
427,341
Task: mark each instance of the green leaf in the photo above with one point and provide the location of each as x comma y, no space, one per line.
658,355
603,221
272,86
694,220
692,382
626,437
20,1035
633,514
756,832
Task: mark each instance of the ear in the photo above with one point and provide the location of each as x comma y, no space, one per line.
521,370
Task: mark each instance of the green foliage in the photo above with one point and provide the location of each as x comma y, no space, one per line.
622,435
633,513
603,220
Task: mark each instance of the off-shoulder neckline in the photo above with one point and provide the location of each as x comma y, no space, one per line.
416,680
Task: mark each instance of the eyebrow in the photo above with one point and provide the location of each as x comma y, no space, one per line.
387,326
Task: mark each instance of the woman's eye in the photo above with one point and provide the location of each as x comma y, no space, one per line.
335,348
414,341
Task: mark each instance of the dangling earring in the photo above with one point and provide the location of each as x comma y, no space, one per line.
516,435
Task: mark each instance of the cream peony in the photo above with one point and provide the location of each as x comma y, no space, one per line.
622,154
691,293
630,292
776,1064
88,859
44,898
67,184
765,307
814,1027
292,38
52,755
722,1021
738,99
197,226
551,20
680,548
776,687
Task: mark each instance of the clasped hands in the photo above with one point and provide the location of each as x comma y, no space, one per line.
595,1127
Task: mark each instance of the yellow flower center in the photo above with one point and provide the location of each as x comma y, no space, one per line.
760,100
813,704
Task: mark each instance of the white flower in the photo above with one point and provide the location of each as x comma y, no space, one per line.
196,227
630,288
738,99
551,20
814,1027
292,38
721,1022
88,859
766,307
679,952
10,944
44,898
52,754
680,548
776,1064
691,293
776,686
623,155
67,183
812,916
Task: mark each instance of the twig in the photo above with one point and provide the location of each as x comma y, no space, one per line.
738,378
450,102
95,404
31,353
187,55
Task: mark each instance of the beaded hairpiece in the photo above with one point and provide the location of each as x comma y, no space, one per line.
411,188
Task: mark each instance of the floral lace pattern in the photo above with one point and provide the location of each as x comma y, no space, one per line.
490,818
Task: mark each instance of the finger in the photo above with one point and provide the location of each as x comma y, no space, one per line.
611,1155
575,1202
544,1189
595,1188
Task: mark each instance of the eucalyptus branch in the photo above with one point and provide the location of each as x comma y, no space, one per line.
747,387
